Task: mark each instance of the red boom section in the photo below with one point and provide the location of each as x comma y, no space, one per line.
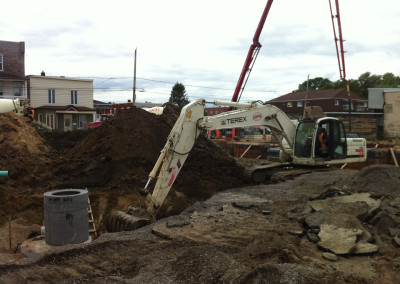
251,56
342,68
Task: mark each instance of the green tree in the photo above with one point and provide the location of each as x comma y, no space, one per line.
317,83
178,95
389,80
366,80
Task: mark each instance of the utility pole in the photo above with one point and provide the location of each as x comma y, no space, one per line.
134,80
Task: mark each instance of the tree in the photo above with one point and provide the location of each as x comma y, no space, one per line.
318,83
389,80
366,81
178,95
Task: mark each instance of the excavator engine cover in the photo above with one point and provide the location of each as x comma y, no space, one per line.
118,221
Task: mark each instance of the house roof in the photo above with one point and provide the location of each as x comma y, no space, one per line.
66,108
317,94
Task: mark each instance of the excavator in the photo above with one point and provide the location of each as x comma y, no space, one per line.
299,143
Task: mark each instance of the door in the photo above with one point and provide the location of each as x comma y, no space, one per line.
336,139
67,122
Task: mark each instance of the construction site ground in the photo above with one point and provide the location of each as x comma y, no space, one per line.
214,227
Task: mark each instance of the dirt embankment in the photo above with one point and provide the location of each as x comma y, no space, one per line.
112,161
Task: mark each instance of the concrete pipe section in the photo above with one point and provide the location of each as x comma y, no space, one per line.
66,217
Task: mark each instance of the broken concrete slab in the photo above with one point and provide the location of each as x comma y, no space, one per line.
340,220
373,204
338,240
329,256
364,247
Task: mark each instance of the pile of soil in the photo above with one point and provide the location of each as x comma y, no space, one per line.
112,161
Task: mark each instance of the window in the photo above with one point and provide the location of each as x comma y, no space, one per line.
50,120
336,102
74,97
346,106
360,107
1,62
289,104
300,104
17,91
303,140
52,96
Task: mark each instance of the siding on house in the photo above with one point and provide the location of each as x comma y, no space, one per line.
40,85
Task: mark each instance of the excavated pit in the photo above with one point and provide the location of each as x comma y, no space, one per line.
112,161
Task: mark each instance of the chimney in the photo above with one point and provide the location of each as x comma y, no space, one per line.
42,74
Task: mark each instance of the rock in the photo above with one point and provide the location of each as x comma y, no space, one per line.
312,237
382,221
298,233
329,256
394,232
396,240
395,203
340,220
364,247
338,240
331,192
373,204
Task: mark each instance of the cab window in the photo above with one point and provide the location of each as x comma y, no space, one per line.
303,140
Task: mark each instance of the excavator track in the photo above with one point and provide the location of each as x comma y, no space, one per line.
118,221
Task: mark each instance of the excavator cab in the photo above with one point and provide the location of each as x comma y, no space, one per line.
309,147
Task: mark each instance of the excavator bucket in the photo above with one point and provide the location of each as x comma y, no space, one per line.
118,221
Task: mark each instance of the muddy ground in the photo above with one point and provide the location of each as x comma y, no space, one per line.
220,229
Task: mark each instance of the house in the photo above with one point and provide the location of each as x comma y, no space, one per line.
61,103
386,103
335,103
13,82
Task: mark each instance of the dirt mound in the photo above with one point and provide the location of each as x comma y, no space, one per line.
21,146
380,179
113,161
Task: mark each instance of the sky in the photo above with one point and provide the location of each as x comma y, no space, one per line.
201,44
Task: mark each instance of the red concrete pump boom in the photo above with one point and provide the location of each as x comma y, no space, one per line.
342,68
251,56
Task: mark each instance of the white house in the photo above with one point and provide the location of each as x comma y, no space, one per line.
61,103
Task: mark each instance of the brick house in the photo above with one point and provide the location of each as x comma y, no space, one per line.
61,103
335,103
13,82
